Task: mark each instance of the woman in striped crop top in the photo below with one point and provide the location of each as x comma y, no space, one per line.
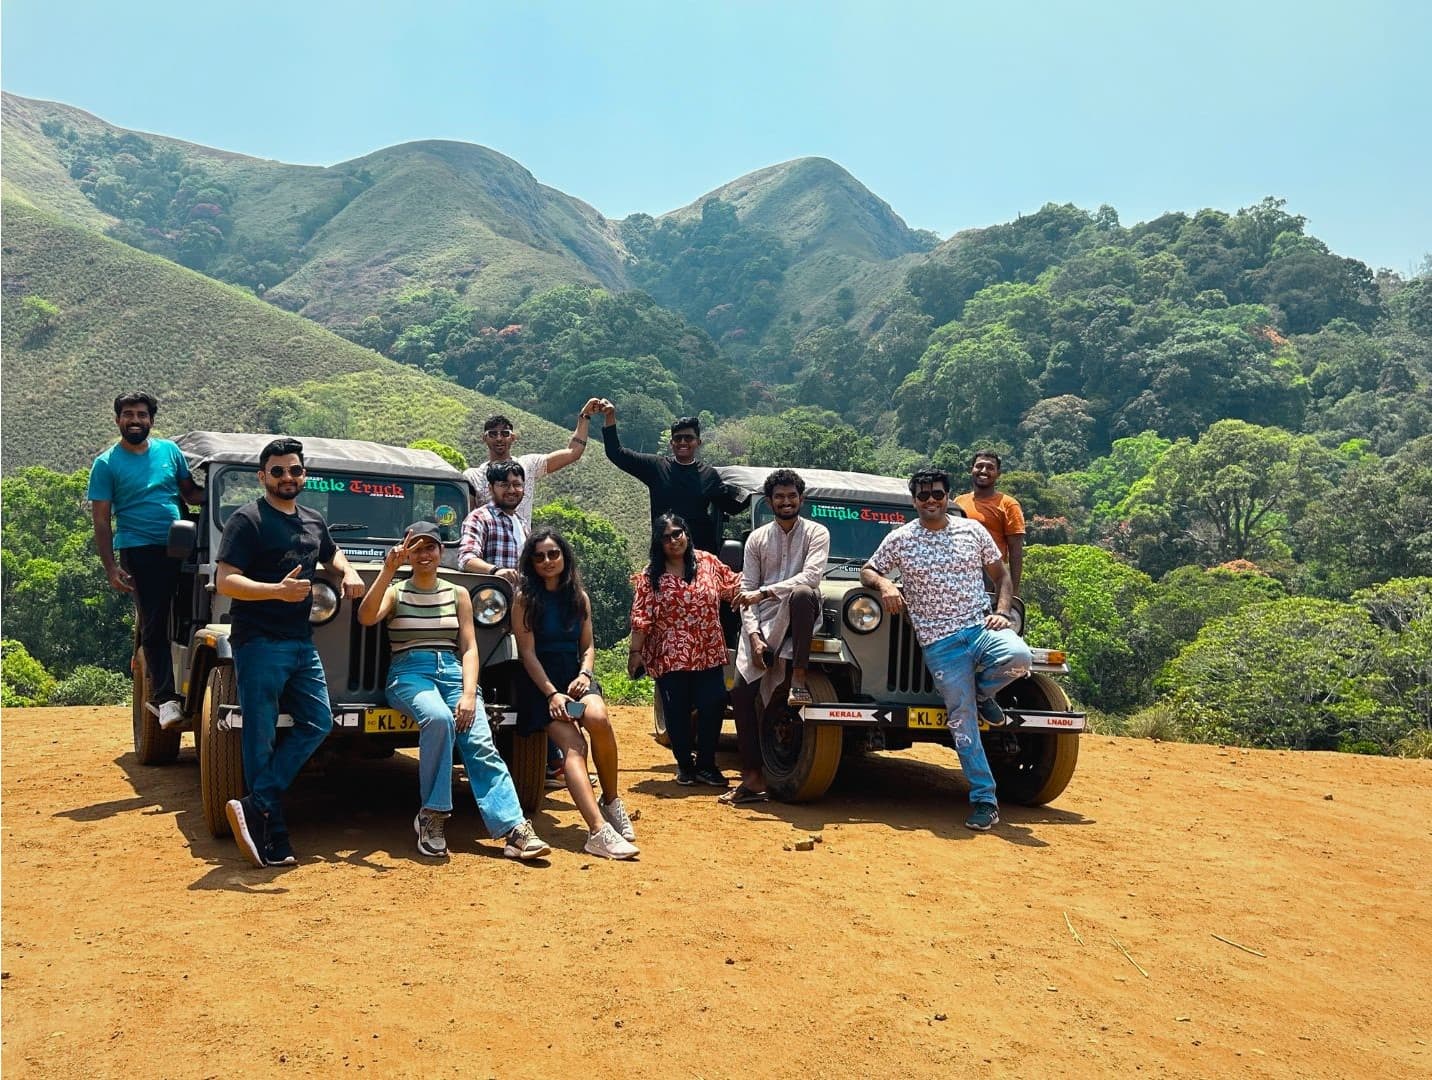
433,678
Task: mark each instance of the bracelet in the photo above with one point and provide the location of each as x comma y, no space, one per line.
588,674
578,440
1006,615
553,694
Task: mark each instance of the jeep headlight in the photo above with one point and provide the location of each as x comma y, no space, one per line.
863,613
489,605
325,603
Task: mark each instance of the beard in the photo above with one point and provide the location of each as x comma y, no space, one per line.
134,438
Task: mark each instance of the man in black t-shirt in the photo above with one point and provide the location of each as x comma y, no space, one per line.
267,559
678,483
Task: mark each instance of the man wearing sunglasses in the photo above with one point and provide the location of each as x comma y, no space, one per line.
680,483
499,435
267,559
971,652
134,492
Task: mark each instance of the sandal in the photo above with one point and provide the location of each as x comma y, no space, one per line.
741,795
799,696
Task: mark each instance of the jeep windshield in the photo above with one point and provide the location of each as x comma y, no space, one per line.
856,528
364,513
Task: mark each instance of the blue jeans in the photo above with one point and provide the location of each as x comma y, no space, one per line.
426,684
279,675
967,665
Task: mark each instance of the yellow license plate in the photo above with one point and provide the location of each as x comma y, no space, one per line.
932,719
388,721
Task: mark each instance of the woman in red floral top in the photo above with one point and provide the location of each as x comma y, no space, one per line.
676,636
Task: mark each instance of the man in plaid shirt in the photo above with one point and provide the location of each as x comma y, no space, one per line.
493,535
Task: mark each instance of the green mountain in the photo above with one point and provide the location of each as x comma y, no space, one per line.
84,316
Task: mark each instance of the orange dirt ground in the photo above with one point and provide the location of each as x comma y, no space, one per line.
902,945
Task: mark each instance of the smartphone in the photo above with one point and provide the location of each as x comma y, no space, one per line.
575,709
768,656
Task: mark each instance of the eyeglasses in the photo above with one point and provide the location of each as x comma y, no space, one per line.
549,555
684,437
505,433
278,471
931,495
674,534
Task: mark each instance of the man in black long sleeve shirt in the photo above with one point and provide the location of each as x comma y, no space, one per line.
678,483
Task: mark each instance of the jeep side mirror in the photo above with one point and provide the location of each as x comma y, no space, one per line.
733,554
183,539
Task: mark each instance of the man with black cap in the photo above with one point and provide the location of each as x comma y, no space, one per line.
678,483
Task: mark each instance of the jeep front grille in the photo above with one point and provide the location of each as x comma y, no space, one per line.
905,671
367,656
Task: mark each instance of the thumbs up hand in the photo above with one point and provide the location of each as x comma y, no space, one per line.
293,588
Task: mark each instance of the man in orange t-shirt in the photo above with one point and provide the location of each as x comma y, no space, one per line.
997,512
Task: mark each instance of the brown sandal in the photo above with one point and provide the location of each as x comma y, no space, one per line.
798,697
741,795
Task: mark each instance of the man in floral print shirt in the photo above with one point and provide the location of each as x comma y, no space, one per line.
971,651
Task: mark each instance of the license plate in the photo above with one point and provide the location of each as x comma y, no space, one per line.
931,719
388,721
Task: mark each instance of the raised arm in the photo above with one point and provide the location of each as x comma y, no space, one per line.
577,444
645,467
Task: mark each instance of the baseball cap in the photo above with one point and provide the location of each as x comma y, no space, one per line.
427,530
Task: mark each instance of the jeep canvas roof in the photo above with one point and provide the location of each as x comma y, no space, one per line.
352,455
824,484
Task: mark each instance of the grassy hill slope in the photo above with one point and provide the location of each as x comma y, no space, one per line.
428,213
840,232
208,351
452,214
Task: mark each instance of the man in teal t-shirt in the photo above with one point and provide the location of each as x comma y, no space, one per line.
135,487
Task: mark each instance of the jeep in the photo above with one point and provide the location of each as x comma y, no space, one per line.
369,493
867,672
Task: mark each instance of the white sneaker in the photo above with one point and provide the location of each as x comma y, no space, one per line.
607,843
171,715
616,816
524,843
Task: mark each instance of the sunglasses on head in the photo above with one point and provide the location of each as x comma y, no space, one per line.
674,534
549,555
278,471
931,495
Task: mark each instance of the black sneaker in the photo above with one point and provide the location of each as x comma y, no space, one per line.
983,818
685,775
250,827
712,777
280,851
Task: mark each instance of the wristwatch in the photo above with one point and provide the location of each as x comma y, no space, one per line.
1006,615
588,674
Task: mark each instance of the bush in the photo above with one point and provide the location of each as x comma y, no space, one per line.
1415,744
23,679
90,685
618,687
451,454
1159,722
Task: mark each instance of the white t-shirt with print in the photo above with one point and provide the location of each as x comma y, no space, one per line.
534,466
942,574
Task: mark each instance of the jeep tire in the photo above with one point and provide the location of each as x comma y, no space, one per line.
1032,767
152,744
526,757
221,753
799,759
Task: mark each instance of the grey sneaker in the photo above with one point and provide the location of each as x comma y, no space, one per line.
606,843
249,825
524,843
430,825
617,818
983,817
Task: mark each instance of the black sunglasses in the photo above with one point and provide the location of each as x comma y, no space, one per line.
685,437
278,471
550,555
931,495
674,534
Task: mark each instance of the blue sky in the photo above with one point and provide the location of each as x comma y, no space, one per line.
958,115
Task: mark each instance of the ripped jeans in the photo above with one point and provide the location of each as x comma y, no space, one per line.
969,664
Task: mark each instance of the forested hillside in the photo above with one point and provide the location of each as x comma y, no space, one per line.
1219,428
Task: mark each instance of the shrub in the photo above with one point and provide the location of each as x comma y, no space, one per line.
23,679
91,685
618,687
1159,722
451,454
1415,744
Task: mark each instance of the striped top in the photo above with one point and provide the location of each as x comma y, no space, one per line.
423,618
